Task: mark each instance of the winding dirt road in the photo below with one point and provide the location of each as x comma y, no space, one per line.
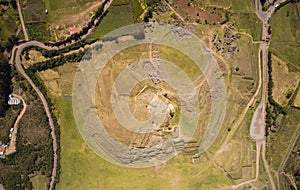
16,53
12,144
43,99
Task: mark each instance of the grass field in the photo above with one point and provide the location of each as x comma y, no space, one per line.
39,182
285,82
239,90
278,142
285,41
241,6
249,23
137,10
181,60
116,17
81,168
38,31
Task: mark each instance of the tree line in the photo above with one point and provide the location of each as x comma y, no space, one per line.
273,109
60,60
5,82
53,53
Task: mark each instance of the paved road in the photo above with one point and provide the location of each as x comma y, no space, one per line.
22,21
40,94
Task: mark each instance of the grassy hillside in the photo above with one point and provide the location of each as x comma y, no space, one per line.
285,41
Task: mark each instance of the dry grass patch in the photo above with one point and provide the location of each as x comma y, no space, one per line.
285,82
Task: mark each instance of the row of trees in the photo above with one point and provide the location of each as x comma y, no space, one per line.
31,73
273,109
13,3
5,83
285,3
52,53
60,60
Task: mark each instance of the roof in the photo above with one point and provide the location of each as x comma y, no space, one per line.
73,31
2,149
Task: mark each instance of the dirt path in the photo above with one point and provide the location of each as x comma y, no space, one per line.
266,166
12,144
292,143
22,21
17,51
43,99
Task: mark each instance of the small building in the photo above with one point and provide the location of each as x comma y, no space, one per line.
13,100
2,151
272,128
73,31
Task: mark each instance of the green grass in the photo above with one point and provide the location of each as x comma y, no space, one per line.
249,23
181,60
81,168
285,41
278,142
120,2
243,6
40,182
5,32
38,31
116,17
138,10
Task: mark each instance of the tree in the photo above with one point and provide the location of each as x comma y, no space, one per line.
5,84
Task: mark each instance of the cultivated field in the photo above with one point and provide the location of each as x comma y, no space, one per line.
34,11
36,20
